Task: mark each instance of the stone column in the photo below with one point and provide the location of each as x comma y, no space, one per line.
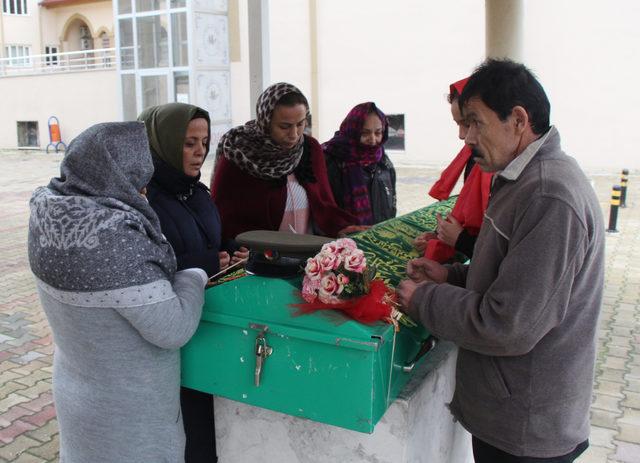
210,74
259,68
2,37
504,29
315,83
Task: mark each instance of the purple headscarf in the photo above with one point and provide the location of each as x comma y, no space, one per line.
352,156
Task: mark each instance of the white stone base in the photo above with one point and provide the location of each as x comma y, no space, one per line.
417,427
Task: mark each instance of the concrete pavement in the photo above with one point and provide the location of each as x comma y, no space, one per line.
28,428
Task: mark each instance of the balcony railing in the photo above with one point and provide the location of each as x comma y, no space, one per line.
74,61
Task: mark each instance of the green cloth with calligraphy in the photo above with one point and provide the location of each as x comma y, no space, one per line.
389,245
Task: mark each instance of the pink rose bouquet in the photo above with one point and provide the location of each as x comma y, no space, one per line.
338,271
338,278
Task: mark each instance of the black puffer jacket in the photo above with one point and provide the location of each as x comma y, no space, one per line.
381,182
188,217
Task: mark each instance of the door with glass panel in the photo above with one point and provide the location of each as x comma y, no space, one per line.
153,45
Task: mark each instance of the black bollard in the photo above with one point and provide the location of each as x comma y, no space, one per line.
613,211
623,187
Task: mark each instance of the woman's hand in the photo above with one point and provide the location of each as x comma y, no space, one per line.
420,243
224,259
448,229
352,229
240,254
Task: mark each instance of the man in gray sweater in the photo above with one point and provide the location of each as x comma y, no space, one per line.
524,312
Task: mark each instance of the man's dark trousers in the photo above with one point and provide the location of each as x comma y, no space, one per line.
485,453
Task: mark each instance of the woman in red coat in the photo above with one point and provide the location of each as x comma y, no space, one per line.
270,176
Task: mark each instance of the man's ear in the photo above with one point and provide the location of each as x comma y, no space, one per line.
520,118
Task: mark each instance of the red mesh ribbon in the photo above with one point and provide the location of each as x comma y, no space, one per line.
369,308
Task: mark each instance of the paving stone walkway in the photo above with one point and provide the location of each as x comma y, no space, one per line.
28,428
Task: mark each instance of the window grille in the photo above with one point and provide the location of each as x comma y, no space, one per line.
14,6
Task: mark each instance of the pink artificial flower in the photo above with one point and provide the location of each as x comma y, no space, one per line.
356,262
346,246
328,261
310,289
329,288
313,269
330,248
343,280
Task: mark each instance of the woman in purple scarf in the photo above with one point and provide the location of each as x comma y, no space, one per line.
362,177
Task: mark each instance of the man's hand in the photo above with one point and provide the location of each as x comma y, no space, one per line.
405,291
423,269
224,259
420,243
448,229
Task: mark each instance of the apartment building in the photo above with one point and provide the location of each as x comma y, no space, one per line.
57,63
79,62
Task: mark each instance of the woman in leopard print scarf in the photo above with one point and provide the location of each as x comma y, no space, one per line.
251,146
270,176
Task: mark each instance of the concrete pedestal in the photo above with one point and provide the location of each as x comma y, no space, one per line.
416,428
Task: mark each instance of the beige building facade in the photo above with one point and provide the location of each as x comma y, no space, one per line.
402,55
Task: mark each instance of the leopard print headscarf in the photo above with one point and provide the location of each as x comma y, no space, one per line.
250,146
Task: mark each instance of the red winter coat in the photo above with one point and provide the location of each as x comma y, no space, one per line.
250,203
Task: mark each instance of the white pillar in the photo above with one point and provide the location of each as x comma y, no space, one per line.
259,77
315,81
2,55
504,29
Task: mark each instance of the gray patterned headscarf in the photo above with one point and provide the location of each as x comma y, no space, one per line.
90,229
250,146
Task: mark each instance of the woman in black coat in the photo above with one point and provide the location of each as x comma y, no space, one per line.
179,140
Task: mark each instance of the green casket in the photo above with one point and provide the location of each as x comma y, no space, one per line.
251,347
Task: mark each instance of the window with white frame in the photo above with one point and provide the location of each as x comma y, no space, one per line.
52,55
19,55
14,6
154,53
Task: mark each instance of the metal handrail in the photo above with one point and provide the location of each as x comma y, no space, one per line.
73,61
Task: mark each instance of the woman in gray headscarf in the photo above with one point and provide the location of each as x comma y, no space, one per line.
118,310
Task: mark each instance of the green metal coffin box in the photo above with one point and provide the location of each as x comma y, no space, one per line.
250,346
321,366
